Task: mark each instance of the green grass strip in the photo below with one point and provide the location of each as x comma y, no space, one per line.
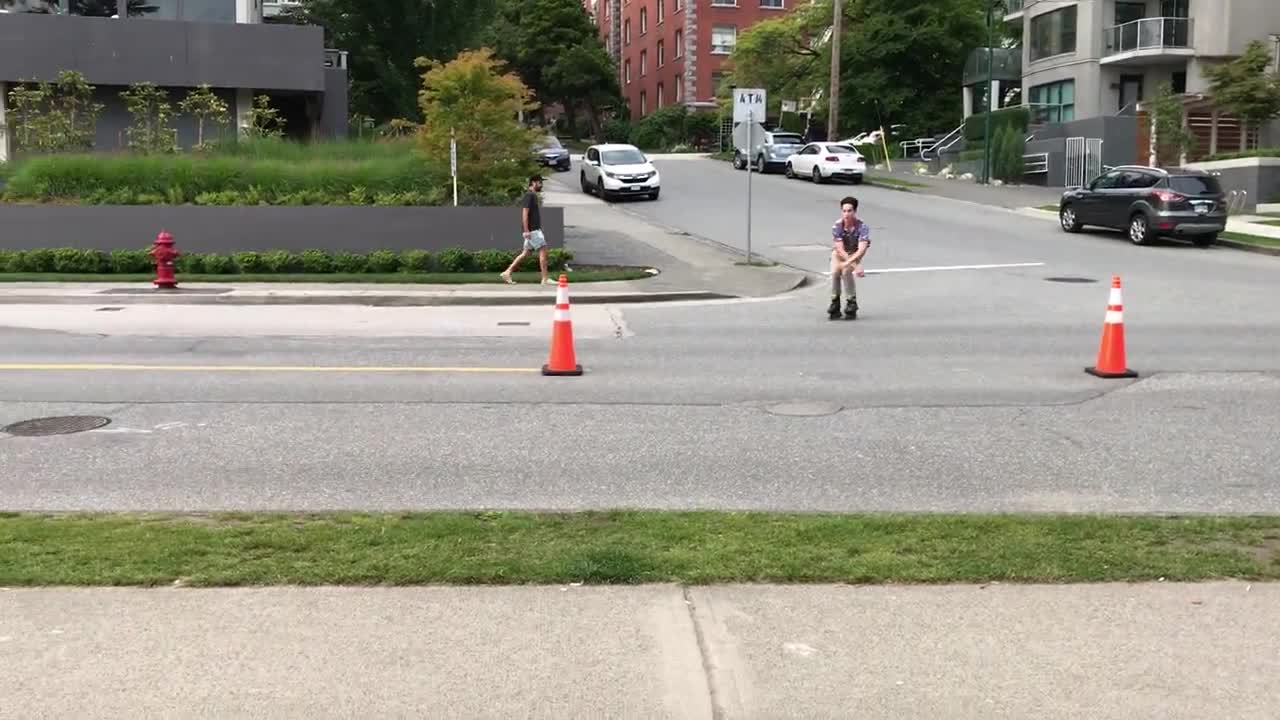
490,278
1261,240
626,547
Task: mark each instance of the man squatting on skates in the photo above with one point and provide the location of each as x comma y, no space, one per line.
850,239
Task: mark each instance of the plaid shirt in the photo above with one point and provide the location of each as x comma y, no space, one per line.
851,236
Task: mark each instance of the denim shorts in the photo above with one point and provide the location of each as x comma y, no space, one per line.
535,240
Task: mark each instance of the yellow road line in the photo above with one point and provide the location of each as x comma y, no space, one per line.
261,368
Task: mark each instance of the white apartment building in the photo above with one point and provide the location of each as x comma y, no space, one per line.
1088,58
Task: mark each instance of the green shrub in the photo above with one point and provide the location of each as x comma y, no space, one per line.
1015,117
84,261
316,261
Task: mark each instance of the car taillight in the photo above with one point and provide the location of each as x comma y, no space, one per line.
832,158
1169,196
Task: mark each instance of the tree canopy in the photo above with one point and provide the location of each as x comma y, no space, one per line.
1243,86
901,61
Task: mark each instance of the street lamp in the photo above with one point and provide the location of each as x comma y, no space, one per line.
988,95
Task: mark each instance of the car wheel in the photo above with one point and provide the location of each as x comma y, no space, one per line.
654,195
582,180
1204,240
817,176
600,190
1067,216
791,173
1139,229
760,166
739,163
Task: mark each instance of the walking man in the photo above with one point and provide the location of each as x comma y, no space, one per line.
850,239
531,220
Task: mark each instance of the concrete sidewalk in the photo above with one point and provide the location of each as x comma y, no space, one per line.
1155,650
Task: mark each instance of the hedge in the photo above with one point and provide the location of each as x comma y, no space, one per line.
975,125
451,260
239,180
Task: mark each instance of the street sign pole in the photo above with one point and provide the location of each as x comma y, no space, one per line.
750,162
749,103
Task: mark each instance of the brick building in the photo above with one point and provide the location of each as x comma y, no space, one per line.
670,51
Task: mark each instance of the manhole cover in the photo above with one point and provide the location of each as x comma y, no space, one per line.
804,409
64,425
1070,279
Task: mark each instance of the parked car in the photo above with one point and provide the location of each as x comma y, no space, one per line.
1149,202
762,148
823,161
552,153
616,170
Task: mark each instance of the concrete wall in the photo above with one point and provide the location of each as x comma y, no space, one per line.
1259,177
168,53
230,229
333,112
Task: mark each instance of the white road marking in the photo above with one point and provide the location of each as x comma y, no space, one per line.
932,268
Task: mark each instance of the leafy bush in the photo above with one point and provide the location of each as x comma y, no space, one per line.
82,261
1015,117
616,130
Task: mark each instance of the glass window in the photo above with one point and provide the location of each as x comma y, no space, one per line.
1053,102
624,157
207,10
1195,184
1053,33
723,38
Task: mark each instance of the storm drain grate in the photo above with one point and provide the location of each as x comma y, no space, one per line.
1070,279
63,425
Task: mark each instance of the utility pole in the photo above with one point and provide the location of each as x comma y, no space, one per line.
833,109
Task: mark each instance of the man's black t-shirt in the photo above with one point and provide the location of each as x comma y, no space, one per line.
535,216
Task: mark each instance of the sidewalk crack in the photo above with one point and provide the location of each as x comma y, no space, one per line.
704,652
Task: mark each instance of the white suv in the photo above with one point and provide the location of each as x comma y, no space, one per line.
618,170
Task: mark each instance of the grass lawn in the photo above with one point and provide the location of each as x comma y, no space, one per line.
1251,239
1050,208
580,275
626,547
892,183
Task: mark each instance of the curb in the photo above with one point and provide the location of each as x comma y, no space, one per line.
1221,241
228,298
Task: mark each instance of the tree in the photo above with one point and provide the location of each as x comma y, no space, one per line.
150,130
472,100
203,105
56,117
264,120
384,37
1244,88
1173,139
558,53
901,60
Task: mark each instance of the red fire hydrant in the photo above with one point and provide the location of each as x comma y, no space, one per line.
164,255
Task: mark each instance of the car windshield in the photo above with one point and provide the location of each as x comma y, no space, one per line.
1195,184
786,139
551,143
622,157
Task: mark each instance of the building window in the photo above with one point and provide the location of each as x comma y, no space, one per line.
1053,33
626,72
644,63
679,43
662,10
723,38
207,10
662,54
724,3
774,4
1053,102
644,103
679,88
679,5
626,31
644,20
660,95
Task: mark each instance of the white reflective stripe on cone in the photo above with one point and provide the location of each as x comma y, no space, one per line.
1114,317
562,296
562,315
1115,297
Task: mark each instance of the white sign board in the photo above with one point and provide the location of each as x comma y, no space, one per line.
453,156
788,106
748,100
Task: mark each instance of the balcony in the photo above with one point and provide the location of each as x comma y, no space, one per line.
1149,41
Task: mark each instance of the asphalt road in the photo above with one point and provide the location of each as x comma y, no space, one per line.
958,389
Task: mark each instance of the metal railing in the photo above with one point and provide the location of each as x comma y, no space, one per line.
1036,163
1149,34
945,143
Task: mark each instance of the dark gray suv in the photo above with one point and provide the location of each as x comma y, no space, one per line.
1149,202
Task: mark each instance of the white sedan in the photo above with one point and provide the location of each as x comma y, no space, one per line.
823,161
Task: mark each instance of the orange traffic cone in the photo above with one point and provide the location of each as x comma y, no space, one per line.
1111,362
562,360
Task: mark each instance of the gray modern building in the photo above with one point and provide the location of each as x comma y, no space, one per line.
178,45
1089,58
